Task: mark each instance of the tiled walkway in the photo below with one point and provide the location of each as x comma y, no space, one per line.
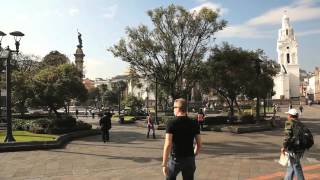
131,156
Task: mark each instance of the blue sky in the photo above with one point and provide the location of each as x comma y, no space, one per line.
52,25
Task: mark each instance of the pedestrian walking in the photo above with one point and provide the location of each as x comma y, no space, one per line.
178,151
105,124
274,109
294,166
301,108
150,123
200,119
93,114
77,113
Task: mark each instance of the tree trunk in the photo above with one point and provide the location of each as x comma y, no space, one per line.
231,115
236,102
258,109
264,107
55,112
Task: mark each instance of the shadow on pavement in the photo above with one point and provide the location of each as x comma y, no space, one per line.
135,159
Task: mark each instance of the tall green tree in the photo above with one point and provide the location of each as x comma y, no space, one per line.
25,67
227,70
55,86
232,71
172,51
54,58
133,102
260,86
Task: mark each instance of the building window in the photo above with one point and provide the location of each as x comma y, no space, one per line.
288,47
288,58
287,32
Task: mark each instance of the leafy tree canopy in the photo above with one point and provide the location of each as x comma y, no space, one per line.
173,49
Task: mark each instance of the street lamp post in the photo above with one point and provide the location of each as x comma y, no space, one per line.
258,72
7,55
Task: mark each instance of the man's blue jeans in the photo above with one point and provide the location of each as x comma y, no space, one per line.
186,165
294,169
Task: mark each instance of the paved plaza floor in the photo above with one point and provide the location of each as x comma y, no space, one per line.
131,156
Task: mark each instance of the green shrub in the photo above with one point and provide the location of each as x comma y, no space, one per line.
64,122
165,119
40,125
83,126
216,120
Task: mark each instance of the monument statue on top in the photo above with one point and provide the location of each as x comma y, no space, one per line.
80,40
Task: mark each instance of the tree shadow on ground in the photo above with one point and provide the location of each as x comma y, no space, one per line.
263,150
124,137
122,157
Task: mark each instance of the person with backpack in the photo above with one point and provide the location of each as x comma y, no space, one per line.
298,138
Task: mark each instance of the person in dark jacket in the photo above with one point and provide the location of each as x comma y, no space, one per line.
105,124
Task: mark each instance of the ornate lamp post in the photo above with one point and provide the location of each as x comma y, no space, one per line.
258,73
6,54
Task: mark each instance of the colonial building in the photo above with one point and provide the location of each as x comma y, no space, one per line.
101,81
88,83
287,82
317,85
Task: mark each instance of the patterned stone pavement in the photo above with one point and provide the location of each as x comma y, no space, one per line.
130,156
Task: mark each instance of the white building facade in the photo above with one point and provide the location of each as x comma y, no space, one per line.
287,82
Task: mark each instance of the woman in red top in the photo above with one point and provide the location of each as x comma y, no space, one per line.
150,125
200,119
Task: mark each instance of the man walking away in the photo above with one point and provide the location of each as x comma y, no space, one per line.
295,154
180,135
105,124
77,113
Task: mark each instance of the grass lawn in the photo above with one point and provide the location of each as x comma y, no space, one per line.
25,136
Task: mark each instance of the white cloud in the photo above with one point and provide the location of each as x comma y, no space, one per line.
110,12
300,10
309,32
73,11
212,6
243,32
103,68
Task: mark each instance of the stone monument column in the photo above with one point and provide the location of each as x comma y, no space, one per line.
79,55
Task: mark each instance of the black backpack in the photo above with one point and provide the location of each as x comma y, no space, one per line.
302,137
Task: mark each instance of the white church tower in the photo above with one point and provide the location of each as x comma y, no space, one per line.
287,82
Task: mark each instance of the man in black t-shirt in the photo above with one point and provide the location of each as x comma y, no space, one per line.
180,136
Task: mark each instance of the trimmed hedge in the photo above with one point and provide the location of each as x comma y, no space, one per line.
50,126
216,120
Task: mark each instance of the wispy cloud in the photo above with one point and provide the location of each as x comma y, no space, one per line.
309,32
73,11
210,5
110,12
300,10
243,32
